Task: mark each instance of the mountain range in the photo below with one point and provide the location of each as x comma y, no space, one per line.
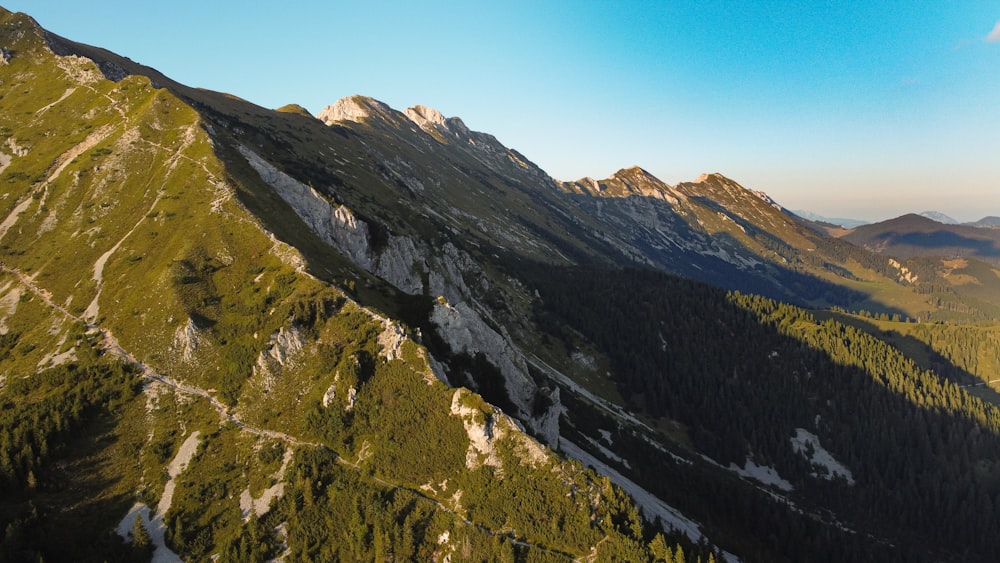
235,333
916,235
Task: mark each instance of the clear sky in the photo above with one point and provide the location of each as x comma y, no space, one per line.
859,109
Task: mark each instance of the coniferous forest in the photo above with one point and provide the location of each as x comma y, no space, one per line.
740,373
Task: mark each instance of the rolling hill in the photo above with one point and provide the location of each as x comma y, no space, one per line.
914,235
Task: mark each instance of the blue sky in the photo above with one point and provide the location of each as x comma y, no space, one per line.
850,109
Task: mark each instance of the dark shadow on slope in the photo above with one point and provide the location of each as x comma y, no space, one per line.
687,352
70,515
945,243
720,259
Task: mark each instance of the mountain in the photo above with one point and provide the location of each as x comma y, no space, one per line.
989,222
916,235
838,222
939,217
235,333
168,357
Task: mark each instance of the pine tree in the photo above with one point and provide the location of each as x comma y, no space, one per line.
659,549
142,545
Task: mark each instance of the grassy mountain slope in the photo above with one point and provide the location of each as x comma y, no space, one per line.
168,350
274,333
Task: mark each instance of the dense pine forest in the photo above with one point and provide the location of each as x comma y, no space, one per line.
741,373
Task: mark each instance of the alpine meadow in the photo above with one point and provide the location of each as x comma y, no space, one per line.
231,333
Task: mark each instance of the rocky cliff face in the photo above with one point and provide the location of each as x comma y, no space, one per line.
406,264
354,108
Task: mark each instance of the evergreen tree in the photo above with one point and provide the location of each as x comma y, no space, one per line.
142,544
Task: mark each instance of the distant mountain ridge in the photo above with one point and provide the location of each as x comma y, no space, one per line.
917,235
939,217
986,222
837,221
989,222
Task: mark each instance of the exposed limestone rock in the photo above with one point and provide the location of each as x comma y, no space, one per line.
260,505
288,254
425,117
404,264
55,358
353,108
466,332
8,304
400,263
391,341
904,273
585,361
627,182
400,170
279,354
448,279
331,392
350,394
482,431
352,397
431,121
5,56
284,344
17,149
186,340
337,226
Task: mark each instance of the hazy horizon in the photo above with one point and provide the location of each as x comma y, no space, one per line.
862,111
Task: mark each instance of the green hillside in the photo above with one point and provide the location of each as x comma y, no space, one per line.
241,334
162,349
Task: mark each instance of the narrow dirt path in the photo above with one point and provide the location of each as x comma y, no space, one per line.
113,347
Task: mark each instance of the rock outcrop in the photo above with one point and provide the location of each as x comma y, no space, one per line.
405,264
354,108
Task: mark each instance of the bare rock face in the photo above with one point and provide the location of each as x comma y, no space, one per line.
284,344
425,117
466,332
432,121
186,340
353,108
483,433
337,226
403,263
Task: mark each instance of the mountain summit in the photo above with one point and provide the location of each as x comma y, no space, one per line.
354,108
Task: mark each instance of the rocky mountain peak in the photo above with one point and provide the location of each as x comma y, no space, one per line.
434,122
353,108
635,173
939,217
714,182
713,177
632,181
721,188
425,116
